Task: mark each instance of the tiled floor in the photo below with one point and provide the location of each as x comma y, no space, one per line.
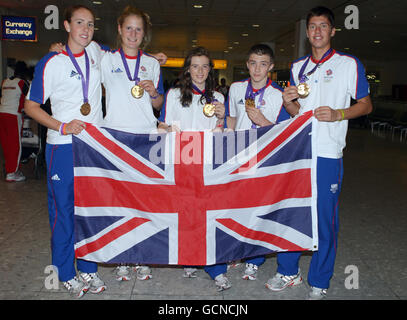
373,237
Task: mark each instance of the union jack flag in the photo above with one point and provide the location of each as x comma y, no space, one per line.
194,198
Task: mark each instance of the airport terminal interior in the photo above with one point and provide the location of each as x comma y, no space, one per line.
371,262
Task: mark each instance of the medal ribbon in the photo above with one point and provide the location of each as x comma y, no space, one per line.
203,93
135,78
301,75
85,82
252,95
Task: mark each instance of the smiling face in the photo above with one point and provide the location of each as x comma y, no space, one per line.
80,29
199,70
319,32
132,34
259,65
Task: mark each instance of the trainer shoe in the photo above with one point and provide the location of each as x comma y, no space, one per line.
233,264
222,282
143,272
317,293
280,282
190,272
250,273
15,176
123,273
77,288
96,285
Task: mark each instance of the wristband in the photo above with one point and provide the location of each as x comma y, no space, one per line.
155,96
62,129
342,113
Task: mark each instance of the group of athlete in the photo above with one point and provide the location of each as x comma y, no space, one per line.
71,77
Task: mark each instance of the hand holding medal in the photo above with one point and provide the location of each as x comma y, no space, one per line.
209,110
253,111
303,87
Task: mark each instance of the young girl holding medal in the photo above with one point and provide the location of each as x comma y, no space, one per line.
132,79
194,105
71,80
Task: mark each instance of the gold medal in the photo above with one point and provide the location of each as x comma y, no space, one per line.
250,103
209,110
303,90
137,91
85,109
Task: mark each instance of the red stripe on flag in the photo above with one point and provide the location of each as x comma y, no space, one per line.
109,237
121,153
260,191
260,235
106,192
275,143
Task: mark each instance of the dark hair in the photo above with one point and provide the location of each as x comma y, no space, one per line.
68,13
185,82
20,69
261,49
321,11
147,26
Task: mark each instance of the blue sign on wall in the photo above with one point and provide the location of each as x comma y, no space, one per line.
18,28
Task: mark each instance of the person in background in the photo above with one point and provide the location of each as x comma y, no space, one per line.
223,88
13,92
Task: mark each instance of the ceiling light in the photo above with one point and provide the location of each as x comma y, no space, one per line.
255,25
194,40
376,41
346,48
230,48
97,2
226,51
97,18
245,34
236,42
198,6
338,29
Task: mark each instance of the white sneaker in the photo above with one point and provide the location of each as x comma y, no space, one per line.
233,264
96,285
15,176
317,293
250,273
280,282
190,272
123,273
76,287
222,282
143,272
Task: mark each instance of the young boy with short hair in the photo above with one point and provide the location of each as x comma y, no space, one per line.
255,102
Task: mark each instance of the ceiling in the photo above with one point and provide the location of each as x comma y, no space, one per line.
219,25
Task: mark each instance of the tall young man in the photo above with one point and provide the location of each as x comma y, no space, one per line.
252,103
324,82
